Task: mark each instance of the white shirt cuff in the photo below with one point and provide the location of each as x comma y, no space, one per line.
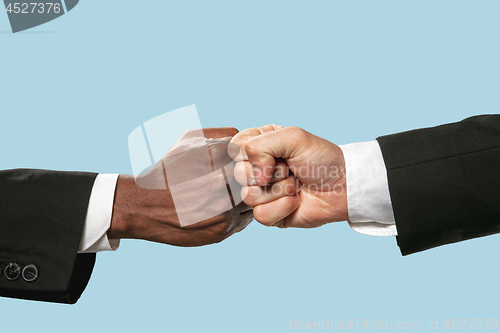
94,237
368,198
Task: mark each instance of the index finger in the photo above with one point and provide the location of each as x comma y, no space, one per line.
236,149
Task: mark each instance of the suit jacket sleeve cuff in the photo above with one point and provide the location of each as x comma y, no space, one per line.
43,213
444,182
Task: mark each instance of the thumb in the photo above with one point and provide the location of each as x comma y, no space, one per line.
263,150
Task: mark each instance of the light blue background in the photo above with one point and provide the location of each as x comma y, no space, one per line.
345,70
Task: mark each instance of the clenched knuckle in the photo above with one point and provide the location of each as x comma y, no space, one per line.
290,203
233,129
297,132
251,148
246,197
260,215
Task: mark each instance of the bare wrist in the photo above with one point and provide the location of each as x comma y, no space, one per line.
135,209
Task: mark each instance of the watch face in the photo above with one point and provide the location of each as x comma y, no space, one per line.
29,14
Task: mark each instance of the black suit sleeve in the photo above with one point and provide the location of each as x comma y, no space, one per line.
42,214
444,182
